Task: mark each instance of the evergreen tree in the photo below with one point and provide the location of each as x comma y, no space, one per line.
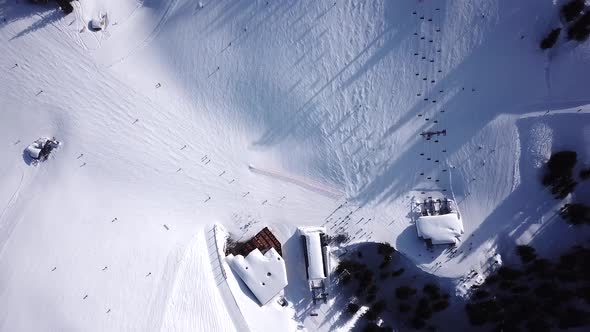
580,29
550,40
572,9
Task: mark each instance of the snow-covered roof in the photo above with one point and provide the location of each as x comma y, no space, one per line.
315,268
265,275
441,229
33,151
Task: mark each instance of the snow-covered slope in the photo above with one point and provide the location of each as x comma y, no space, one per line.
162,113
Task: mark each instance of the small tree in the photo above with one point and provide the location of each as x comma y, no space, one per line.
404,292
398,273
352,308
575,214
572,9
340,238
375,310
526,253
550,40
559,173
580,29
440,305
432,290
404,307
385,249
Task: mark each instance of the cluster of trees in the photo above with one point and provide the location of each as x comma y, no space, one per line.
429,302
571,10
550,40
65,5
559,176
538,295
576,214
415,307
579,24
580,29
338,239
559,173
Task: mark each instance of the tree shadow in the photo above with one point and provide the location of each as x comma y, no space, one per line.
530,204
466,101
12,12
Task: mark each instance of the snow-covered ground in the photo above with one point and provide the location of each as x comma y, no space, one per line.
252,112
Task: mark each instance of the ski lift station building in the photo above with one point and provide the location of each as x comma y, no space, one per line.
315,250
317,262
440,229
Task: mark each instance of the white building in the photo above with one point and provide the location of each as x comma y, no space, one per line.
440,229
317,261
314,253
265,275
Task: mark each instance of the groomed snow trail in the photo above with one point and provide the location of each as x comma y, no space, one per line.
195,303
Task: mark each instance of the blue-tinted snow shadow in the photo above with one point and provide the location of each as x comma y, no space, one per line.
297,291
12,12
532,204
512,89
411,276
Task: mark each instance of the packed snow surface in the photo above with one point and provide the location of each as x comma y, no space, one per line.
162,112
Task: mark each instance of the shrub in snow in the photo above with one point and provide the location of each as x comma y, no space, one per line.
418,323
585,173
374,311
559,173
398,272
575,213
483,312
550,39
432,290
508,273
423,310
385,249
339,239
372,327
519,289
404,292
573,317
440,305
526,253
404,307
480,294
541,293
572,9
65,6
580,29
385,263
539,267
352,308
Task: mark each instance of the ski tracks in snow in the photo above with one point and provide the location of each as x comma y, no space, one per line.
163,19
194,303
6,229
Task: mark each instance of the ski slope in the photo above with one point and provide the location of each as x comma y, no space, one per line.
162,113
